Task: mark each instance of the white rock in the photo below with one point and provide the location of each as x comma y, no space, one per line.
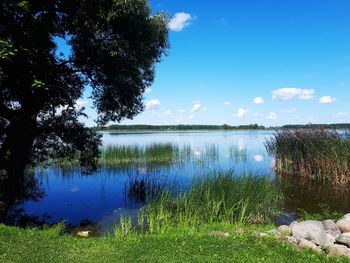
344,225
338,250
310,230
285,230
347,216
274,232
292,240
84,233
331,228
218,234
308,244
344,239
330,239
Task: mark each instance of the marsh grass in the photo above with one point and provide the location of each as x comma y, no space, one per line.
156,154
312,153
219,197
238,154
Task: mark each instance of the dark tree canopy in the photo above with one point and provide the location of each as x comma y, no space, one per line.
114,46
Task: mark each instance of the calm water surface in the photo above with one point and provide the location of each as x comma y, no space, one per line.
103,196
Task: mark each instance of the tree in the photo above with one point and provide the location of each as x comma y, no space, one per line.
113,48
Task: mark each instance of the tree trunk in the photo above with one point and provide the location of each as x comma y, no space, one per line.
16,150
15,154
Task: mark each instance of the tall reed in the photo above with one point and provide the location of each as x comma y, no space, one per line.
163,154
219,197
312,153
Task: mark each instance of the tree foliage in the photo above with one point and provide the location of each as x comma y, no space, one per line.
112,48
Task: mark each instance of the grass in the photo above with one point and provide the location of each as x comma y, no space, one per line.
313,153
32,245
220,197
324,213
157,154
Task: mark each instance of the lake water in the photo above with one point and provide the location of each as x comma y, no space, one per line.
102,196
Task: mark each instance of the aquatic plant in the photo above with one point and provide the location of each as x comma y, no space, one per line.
238,154
220,197
312,153
156,154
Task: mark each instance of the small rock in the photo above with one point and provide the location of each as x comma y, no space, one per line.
338,250
239,230
84,233
274,232
218,234
344,239
310,230
344,225
331,227
293,223
262,234
330,239
285,230
303,243
292,240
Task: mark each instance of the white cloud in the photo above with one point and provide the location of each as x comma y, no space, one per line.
196,106
227,103
152,104
340,114
272,116
80,104
258,100
292,93
191,116
181,111
155,114
179,21
258,158
205,109
148,90
257,114
241,112
326,100
288,110
167,113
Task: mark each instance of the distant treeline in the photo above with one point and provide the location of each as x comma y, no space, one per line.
182,127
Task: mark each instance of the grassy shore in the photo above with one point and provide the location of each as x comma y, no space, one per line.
32,245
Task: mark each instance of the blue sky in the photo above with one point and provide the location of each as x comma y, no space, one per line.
269,62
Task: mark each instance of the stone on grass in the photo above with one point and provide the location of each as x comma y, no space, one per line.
84,233
344,225
292,240
303,243
310,230
239,230
339,250
274,232
330,239
331,227
218,234
347,216
344,239
285,230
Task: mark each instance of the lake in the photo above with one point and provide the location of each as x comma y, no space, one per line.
101,197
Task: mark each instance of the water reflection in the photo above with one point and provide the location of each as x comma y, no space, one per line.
55,194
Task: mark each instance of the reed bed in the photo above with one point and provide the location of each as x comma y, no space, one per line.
221,197
312,153
158,154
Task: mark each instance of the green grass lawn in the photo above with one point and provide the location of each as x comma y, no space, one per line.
31,245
